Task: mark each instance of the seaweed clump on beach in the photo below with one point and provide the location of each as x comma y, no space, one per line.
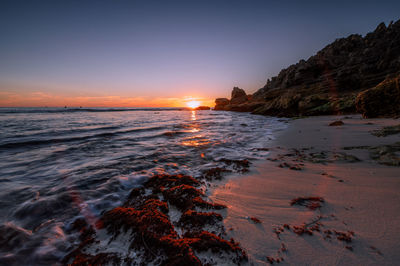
386,131
143,223
314,228
383,154
386,154
226,166
196,220
294,159
241,166
215,173
311,203
255,220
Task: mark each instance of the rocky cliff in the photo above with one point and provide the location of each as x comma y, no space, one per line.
328,82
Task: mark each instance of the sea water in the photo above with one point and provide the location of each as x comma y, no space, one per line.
58,164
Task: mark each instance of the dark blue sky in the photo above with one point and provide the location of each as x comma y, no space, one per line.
156,52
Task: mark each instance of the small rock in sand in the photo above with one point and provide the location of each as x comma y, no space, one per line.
336,123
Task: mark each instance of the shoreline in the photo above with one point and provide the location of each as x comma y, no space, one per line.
281,210
356,221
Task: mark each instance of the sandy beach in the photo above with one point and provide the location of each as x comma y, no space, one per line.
325,195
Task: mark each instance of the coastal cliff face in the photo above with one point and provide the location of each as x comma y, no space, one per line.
330,81
382,100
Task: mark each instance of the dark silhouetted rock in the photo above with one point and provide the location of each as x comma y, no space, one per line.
239,96
203,108
240,102
380,101
221,103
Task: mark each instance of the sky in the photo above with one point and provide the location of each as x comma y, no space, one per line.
163,53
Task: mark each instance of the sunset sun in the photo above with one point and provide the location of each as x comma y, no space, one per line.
193,104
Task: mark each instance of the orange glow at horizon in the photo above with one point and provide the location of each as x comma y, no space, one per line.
42,99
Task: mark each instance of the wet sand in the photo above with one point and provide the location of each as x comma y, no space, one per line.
358,222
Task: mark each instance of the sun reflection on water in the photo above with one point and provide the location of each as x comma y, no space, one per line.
196,141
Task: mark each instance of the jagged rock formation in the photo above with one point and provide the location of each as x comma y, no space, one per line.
328,82
238,96
239,102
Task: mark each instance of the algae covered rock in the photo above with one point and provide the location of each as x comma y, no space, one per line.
380,101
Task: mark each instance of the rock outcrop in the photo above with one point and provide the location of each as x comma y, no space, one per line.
328,82
239,96
380,101
203,108
239,102
221,103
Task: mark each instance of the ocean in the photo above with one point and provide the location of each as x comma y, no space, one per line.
60,164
